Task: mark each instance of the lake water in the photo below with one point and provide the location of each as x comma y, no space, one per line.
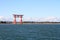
30,32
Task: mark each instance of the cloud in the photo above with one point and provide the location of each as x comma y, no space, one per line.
48,19
2,18
27,19
36,19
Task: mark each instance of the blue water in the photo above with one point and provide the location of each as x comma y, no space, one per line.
30,32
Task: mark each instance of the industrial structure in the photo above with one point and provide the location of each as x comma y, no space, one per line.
17,16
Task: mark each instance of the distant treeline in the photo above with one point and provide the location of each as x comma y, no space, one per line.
10,22
41,22
4,22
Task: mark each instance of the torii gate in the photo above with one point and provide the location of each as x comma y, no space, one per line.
19,16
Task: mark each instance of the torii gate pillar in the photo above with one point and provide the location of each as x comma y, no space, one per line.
19,16
21,19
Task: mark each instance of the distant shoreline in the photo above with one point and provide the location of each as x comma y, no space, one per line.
29,22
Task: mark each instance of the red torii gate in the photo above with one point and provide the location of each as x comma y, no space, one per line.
19,16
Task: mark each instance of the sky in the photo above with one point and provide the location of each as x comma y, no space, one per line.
30,8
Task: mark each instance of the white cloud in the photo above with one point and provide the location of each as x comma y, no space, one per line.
49,19
36,19
27,19
2,18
